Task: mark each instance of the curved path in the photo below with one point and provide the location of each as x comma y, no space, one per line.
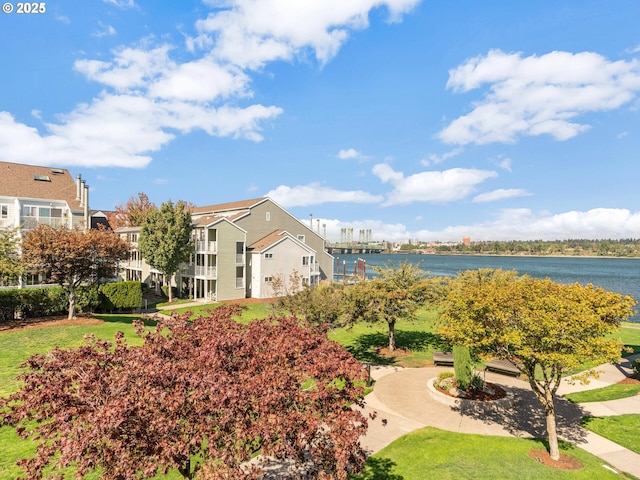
403,403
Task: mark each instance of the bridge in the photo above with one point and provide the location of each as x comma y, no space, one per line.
351,247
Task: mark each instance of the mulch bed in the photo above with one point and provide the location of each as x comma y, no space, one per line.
53,321
564,463
496,393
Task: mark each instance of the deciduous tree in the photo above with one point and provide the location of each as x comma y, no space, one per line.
133,213
395,293
321,305
212,389
545,328
165,238
73,257
10,265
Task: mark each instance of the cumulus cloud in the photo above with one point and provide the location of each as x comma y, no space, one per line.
536,95
149,96
317,194
431,186
500,194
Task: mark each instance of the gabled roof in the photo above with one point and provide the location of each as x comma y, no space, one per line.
275,237
209,220
30,181
229,206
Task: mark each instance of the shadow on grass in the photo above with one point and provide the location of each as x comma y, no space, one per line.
378,469
125,318
365,346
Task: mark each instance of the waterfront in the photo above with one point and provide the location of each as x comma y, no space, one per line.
620,275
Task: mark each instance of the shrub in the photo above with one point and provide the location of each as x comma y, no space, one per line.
477,383
463,367
635,365
121,295
444,381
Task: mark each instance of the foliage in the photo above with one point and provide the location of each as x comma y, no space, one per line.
165,238
43,302
73,257
321,304
543,327
621,429
10,265
121,295
395,293
131,214
635,366
463,366
212,388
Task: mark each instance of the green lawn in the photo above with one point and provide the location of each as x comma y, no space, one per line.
434,453
611,392
621,429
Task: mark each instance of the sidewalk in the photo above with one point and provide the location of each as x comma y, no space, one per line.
403,404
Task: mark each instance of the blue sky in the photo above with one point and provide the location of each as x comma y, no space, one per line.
428,120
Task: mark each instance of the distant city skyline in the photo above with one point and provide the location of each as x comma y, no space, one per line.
426,120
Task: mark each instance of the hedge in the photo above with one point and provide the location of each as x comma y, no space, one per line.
121,295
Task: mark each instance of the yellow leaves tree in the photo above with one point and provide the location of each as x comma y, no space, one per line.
544,327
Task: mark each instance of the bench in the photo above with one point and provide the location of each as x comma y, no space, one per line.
443,358
502,366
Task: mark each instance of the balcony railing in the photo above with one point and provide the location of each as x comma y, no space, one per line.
206,246
314,269
202,271
33,222
239,282
239,258
134,264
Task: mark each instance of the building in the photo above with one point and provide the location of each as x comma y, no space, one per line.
32,195
239,248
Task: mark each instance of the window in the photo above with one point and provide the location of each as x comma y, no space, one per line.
301,238
4,211
268,216
268,279
30,211
42,178
305,260
268,255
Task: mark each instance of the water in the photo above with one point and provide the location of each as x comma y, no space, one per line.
621,275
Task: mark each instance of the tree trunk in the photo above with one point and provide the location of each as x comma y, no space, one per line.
392,336
72,303
185,470
552,431
170,289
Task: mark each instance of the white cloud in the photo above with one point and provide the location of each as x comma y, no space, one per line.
349,153
160,181
500,194
622,135
105,31
434,159
121,3
537,95
434,187
251,33
504,163
316,194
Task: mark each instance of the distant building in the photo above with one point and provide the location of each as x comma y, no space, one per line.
466,241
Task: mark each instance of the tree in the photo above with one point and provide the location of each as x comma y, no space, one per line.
212,389
321,305
395,293
165,239
73,257
545,328
10,265
133,213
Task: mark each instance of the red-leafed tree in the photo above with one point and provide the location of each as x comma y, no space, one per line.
132,213
211,389
73,257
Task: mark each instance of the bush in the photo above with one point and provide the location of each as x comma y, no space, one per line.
165,291
444,381
121,296
477,383
635,365
463,367
32,302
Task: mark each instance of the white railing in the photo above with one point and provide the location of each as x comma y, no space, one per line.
202,271
239,282
206,246
239,258
134,264
314,269
33,222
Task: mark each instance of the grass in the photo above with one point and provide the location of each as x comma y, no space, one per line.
621,429
434,453
610,392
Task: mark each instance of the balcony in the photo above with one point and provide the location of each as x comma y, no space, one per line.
314,269
208,272
239,282
206,246
239,258
137,264
33,222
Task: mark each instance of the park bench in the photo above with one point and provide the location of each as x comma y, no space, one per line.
443,358
502,366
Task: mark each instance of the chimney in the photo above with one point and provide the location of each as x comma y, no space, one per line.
87,220
78,191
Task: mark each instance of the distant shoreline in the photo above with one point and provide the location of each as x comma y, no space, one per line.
457,254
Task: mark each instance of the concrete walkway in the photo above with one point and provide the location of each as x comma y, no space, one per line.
403,403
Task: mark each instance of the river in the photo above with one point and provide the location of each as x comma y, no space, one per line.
620,275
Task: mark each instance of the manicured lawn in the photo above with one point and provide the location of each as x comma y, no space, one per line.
621,429
611,392
434,453
417,338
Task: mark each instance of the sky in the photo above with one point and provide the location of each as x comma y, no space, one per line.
417,120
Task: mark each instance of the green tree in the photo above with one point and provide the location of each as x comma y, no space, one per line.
395,293
10,265
165,238
544,327
73,257
321,305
